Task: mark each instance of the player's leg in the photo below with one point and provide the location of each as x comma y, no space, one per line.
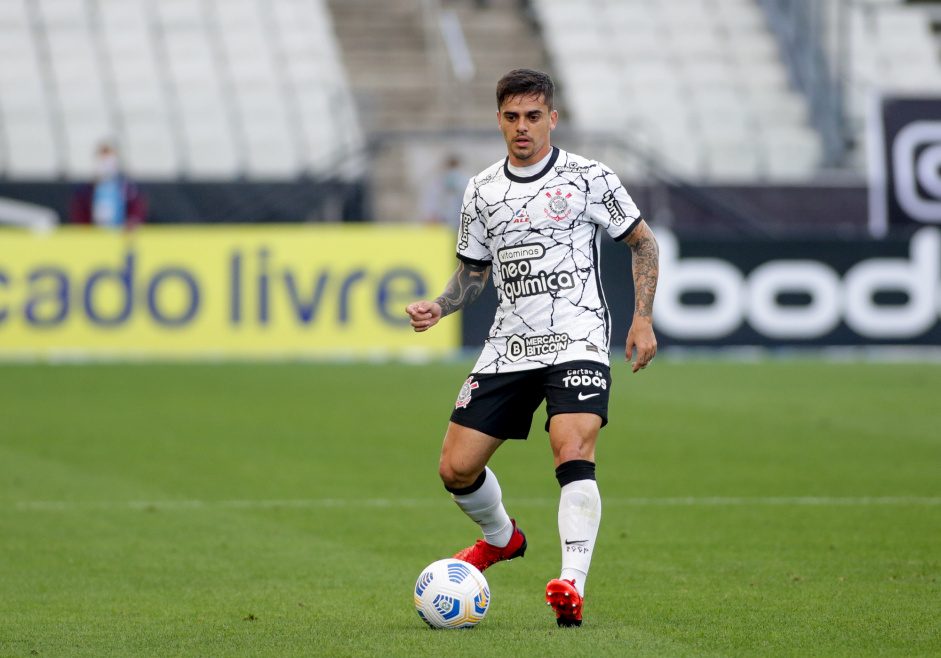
473,486
490,408
475,489
577,405
573,438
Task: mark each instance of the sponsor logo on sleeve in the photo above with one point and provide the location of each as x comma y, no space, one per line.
480,182
464,234
618,216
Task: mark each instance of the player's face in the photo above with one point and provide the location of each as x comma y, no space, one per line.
525,122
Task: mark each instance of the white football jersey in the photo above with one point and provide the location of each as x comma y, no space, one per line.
540,236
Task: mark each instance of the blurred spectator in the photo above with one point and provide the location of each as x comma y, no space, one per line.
442,200
112,200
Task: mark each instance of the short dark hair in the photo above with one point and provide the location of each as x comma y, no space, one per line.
525,82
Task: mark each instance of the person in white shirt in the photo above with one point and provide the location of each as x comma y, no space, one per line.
532,220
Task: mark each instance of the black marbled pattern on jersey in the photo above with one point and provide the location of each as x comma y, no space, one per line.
540,236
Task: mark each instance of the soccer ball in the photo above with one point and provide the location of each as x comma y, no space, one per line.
451,594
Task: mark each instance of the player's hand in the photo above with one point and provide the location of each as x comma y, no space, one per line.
424,315
642,338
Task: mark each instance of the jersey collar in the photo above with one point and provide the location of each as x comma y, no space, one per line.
531,179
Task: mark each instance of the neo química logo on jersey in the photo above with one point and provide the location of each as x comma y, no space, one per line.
518,278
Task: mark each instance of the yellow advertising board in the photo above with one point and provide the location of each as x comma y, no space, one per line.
284,291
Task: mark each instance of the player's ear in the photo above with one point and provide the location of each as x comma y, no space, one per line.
553,119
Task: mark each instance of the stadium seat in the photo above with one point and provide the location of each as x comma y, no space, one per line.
190,86
150,148
210,150
118,15
733,162
13,15
271,151
83,135
793,153
64,14
24,98
31,149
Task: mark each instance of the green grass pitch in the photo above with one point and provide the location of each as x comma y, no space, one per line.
773,508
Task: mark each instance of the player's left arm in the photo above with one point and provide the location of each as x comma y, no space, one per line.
646,266
463,288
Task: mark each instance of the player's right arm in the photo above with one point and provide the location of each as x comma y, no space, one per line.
463,288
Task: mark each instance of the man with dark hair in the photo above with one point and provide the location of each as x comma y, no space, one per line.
533,219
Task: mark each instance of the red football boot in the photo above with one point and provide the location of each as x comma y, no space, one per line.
566,601
483,555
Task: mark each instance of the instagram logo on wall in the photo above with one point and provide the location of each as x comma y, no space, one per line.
904,162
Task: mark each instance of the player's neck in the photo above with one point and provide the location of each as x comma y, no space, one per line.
529,169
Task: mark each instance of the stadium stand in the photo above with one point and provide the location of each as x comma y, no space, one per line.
406,86
699,82
705,85
208,89
263,90
890,45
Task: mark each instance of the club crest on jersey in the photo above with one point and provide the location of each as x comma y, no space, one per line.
558,206
464,397
521,216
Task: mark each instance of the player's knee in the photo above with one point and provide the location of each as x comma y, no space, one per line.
575,450
455,477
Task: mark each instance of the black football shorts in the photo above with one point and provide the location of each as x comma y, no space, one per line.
502,404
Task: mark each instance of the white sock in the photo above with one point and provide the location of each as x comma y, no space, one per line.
485,508
579,518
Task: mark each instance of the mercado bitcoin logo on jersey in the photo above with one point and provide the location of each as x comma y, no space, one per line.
519,346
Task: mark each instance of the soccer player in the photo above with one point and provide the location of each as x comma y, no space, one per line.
532,219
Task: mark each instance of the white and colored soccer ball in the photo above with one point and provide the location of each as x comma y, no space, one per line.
451,594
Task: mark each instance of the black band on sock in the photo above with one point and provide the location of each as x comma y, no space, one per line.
478,483
575,470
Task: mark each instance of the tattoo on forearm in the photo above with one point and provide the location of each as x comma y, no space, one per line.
463,288
646,270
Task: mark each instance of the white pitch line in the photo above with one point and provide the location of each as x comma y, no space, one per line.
366,503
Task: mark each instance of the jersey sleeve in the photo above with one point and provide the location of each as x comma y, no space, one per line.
611,207
472,243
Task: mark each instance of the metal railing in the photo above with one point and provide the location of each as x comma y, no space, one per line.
806,36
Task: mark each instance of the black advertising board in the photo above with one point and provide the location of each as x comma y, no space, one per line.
904,162
774,293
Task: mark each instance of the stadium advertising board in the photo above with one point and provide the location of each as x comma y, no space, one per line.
290,290
787,293
904,162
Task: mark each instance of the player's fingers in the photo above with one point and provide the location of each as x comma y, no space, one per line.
644,357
